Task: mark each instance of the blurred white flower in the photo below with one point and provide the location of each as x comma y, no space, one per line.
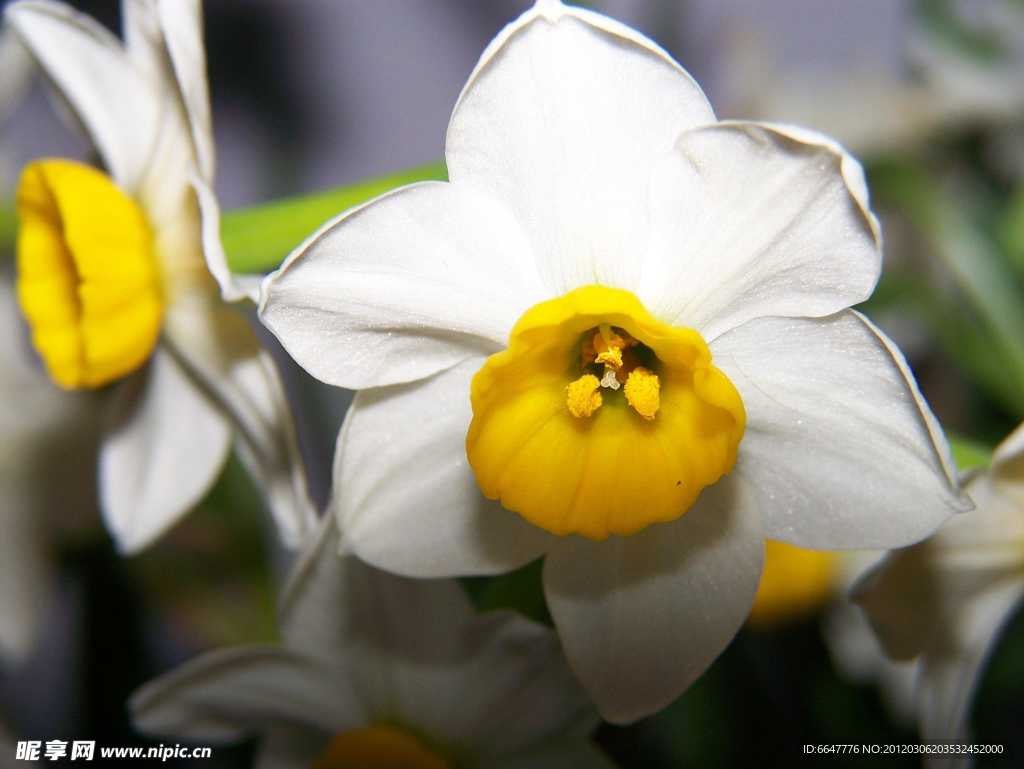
798,583
15,73
602,237
46,437
855,649
945,601
112,274
47,469
873,109
378,670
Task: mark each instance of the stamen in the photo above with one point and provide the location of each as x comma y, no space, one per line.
582,396
643,392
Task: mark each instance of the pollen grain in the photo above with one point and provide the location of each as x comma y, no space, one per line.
582,396
643,392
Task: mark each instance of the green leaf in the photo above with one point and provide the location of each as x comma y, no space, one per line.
1011,230
941,18
258,239
983,275
969,453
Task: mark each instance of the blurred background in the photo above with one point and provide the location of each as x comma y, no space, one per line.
313,94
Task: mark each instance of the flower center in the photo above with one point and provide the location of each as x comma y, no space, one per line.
379,747
599,419
615,355
88,279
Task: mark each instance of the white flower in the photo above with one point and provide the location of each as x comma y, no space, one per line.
945,601
47,461
859,657
374,662
597,209
796,583
876,106
16,68
112,273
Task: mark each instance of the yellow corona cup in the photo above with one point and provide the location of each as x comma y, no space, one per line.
88,280
599,419
795,583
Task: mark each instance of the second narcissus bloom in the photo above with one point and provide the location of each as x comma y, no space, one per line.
945,601
381,672
619,337
47,471
121,273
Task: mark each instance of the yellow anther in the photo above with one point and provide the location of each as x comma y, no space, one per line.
88,279
643,392
582,396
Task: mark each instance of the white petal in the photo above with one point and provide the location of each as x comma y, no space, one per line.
858,655
912,595
165,191
144,40
312,612
164,447
115,101
492,684
18,69
901,600
840,447
506,689
747,221
221,352
406,498
231,693
232,287
47,475
1008,461
563,120
642,617
334,604
182,24
950,675
26,572
407,285
948,599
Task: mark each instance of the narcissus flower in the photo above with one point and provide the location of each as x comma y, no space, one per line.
619,337
47,472
380,671
945,601
114,282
